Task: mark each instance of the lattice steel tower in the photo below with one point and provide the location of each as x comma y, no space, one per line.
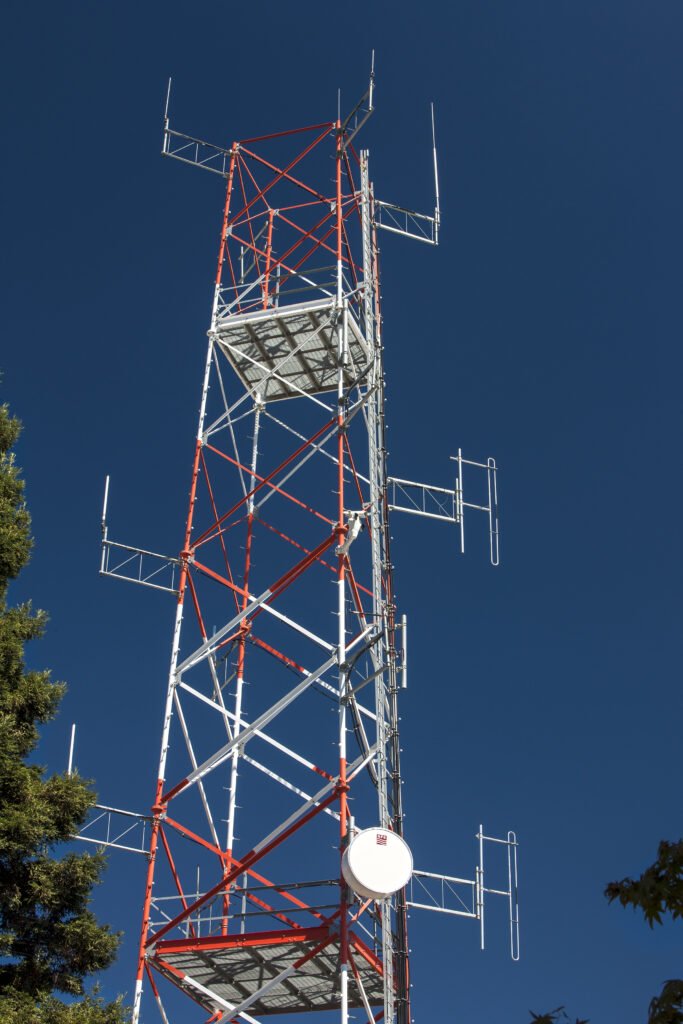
280,746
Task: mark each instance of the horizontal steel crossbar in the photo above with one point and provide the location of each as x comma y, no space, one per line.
401,221
194,151
110,835
125,569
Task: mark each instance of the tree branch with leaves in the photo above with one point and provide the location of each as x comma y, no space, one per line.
657,892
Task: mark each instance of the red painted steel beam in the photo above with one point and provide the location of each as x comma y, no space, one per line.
366,953
289,540
205,571
271,910
248,220
316,246
285,173
305,234
285,581
176,879
247,861
263,481
240,940
301,547
195,602
282,173
277,654
193,836
215,512
181,975
354,589
292,131
285,894
226,215
298,569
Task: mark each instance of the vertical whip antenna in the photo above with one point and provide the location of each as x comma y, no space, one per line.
437,208
168,98
401,220
104,505
69,770
104,527
164,148
372,81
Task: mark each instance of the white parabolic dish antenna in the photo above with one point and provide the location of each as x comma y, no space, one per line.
377,863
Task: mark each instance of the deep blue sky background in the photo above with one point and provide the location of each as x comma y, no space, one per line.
545,330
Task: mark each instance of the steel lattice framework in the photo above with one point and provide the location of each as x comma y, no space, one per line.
287,654
286,532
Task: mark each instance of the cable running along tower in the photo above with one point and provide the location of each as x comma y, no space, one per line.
277,877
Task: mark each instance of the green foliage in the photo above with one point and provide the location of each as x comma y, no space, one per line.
15,538
554,1017
20,1008
49,940
667,1008
659,889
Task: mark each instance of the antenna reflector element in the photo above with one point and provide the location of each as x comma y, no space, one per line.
377,863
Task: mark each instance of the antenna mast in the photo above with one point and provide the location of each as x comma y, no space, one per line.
294,816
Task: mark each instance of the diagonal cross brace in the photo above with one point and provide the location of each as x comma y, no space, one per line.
221,755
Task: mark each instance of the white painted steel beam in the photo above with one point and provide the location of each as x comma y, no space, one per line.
221,755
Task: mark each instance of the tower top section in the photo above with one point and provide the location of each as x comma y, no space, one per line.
282,241
292,257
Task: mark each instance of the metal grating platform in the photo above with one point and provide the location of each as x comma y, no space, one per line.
291,350
233,967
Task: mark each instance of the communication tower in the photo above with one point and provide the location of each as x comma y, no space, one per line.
278,878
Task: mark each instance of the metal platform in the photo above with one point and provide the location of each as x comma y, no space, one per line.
234,968
290,350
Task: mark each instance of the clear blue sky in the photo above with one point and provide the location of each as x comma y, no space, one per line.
549,699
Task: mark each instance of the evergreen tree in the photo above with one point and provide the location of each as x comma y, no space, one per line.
658,891
50,942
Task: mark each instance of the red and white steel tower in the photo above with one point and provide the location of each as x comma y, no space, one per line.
280,747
